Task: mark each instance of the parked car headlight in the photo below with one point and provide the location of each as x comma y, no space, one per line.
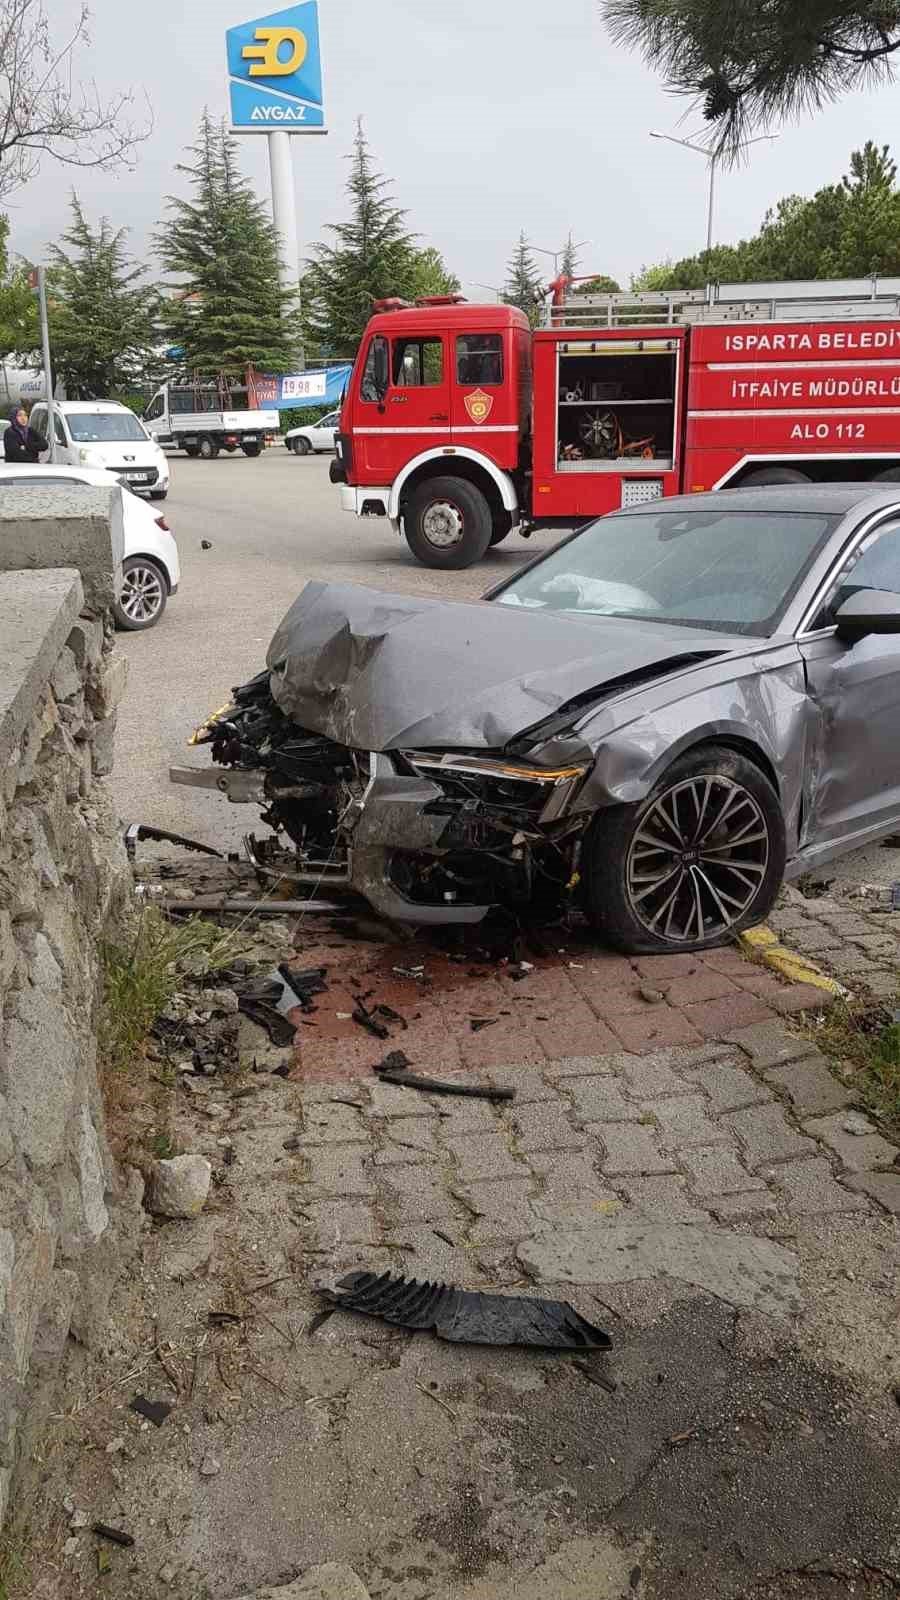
545,791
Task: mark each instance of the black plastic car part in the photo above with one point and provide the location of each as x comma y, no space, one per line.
462,1316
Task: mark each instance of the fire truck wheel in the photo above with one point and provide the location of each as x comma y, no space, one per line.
502,527
692,865
888,475
447,523
773,475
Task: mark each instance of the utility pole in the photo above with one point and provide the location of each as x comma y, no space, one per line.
712,161
38,283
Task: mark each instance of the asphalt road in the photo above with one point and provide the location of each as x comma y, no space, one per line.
273,524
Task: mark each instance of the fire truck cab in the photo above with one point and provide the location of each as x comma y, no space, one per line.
460,423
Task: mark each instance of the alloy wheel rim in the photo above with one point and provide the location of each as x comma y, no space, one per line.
141,596
698,860
443,524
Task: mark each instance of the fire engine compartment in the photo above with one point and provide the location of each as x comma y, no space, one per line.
616,404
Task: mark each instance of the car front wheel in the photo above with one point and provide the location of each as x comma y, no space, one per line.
142,596
692,865
302,447
447,524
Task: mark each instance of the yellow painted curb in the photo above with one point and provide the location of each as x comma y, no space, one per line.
764,945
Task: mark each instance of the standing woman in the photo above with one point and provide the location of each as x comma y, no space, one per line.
20,442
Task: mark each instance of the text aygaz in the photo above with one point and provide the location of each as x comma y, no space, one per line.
278,114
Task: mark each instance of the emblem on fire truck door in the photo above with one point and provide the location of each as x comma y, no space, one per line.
479,405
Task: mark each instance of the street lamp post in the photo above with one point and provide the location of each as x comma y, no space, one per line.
556,254
712,159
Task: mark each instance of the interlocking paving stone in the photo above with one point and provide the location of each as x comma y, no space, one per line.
408,1139
332,1124
583,1066
545,1127
338,1170
504,1210
683,1121
661,1026
630,1149
766,1135
768,1044
389,1101
882,1186
483,1156
858,1152
666,1198
528,1083
718,1171
601,1100
811,1086
464,1116
419,1193
729,1088
812,1188
651,1077
739,1207
571,1190
339,1222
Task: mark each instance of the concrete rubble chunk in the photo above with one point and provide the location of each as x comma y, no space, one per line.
179,1188
739,1269
331,1582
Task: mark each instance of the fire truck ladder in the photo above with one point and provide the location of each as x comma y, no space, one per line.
867,299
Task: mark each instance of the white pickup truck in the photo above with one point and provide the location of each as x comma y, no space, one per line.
203,418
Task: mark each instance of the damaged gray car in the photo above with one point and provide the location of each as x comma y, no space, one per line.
661,719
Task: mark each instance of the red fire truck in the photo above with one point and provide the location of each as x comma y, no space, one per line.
460,423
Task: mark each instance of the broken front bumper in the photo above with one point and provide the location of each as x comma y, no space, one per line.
387,816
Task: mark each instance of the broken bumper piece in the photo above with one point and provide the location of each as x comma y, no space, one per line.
468,1317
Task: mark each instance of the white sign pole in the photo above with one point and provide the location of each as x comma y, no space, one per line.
284,212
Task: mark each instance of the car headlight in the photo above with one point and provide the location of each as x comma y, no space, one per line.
84,456
547,789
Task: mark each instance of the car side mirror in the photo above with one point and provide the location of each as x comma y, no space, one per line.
868,611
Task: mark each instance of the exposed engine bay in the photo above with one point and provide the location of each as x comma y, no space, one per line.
424,836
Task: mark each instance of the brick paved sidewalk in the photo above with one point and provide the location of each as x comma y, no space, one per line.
749,1132
856,940
576,1002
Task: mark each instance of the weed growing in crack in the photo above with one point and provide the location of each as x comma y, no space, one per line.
867,1035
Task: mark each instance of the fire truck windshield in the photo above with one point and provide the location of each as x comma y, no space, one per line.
729,571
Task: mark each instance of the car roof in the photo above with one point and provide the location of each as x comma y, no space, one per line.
834,498
74,406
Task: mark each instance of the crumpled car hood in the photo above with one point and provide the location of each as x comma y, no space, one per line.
385,672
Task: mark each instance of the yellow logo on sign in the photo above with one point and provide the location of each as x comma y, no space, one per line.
266,56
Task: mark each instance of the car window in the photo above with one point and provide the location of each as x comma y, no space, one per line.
59,429
331,421
418,363
875,564
106,427
376,363
38,420
479,358
732,571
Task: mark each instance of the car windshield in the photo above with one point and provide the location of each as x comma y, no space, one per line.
732,571
105,427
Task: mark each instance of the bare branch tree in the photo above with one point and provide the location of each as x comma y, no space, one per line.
753,63
43,111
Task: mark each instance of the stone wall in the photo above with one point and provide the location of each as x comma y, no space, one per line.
64,882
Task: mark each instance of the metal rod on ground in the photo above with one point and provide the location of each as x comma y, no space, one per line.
264,908
48,376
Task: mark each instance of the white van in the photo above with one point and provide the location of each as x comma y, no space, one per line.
102,433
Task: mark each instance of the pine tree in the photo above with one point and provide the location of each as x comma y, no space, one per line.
232,312
523,284
102,316
19,331
373,256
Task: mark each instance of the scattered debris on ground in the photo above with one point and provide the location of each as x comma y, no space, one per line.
465,1317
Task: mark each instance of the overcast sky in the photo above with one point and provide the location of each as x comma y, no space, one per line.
489,115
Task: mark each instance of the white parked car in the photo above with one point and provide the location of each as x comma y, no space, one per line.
150,569
315,436
103,433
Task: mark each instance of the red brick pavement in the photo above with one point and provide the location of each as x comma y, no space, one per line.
578,1001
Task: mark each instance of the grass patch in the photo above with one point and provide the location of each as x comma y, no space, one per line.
142,976
867,1036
